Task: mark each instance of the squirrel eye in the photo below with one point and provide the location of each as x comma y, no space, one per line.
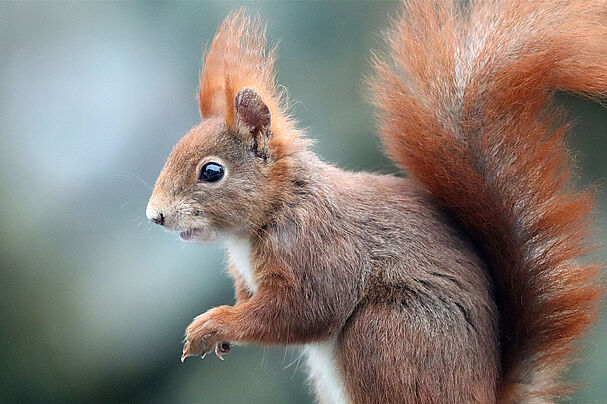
211,172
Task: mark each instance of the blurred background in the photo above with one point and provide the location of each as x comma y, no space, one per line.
94,300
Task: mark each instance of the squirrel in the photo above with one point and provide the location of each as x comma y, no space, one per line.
460,283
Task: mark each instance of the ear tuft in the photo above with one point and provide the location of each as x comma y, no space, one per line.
251,111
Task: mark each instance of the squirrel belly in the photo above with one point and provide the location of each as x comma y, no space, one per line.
325,372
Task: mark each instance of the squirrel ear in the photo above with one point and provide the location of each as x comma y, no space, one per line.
251,111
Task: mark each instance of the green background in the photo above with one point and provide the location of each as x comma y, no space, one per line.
94,299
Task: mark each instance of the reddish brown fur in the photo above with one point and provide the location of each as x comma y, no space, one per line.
485,146
373,266
238,58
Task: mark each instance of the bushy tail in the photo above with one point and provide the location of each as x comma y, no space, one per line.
463,100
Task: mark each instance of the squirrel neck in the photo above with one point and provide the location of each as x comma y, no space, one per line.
307,179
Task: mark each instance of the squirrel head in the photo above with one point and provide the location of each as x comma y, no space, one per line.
230,172
222,180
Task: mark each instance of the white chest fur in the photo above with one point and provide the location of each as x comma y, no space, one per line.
324,372
240,254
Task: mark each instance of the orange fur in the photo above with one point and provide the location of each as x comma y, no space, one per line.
238,58
464,101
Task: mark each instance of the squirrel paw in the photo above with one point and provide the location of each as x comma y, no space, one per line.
205,334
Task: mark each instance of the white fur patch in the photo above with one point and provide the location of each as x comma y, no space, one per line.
240,253
324,372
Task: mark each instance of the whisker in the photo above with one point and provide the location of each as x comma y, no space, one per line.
136,177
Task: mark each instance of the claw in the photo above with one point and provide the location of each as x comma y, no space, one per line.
218,352
184,352
222,348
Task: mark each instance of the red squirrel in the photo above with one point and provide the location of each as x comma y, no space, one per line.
458,284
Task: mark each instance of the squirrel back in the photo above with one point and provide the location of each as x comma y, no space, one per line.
464,106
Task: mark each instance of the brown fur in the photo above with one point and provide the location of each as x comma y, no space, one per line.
375,264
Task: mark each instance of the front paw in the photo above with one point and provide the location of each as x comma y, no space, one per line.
208,332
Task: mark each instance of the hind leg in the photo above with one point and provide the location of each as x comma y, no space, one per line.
393,354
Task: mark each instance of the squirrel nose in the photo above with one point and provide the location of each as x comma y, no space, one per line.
154,216
159,219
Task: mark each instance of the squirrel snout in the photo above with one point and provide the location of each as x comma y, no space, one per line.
155,216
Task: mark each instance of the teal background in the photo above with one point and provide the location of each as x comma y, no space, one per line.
94,299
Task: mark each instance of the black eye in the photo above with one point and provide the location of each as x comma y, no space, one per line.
211,172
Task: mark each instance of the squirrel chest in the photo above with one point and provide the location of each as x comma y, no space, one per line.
239,251
320,356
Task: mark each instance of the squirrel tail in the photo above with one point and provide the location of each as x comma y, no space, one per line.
464,106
